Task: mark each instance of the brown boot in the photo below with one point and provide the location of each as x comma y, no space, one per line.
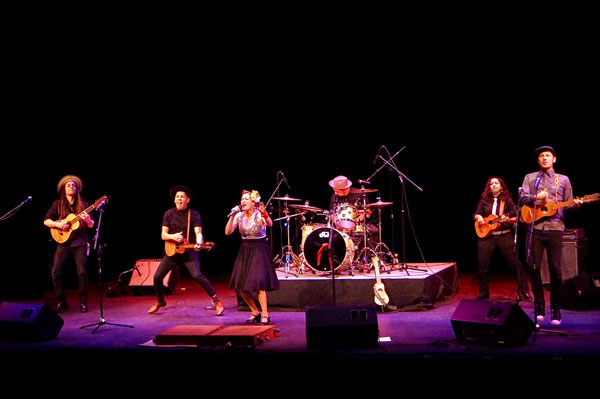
156,306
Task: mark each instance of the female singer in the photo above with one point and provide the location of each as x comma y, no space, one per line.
253,271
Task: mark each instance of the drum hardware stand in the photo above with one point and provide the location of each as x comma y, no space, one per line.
98,249
402,178
287,254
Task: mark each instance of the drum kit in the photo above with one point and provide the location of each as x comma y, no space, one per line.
340,239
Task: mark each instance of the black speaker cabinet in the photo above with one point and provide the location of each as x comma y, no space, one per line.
488,322
347,326
28,322
582,292
569,262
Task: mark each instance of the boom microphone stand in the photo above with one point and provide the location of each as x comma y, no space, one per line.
98,249
402,178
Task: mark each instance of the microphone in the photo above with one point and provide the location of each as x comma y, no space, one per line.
360,181
285,180
537,181
28,199
234,211
377,156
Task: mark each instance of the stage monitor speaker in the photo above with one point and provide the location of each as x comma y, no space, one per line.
569,262
142,276
28,322
488,322
347,326
582,292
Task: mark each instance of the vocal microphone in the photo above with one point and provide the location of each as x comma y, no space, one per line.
28,199
360,181
377,156
285,180
537,181
234,211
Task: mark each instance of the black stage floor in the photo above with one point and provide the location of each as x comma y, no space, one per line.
416,344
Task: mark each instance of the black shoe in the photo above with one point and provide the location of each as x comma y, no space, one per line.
540,312
253,319
525,297
62,306
555,319
265,320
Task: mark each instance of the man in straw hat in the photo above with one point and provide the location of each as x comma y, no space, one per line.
76,246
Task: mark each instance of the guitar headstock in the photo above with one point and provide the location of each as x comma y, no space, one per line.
591,197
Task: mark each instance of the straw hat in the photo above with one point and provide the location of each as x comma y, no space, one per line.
340,183
68,178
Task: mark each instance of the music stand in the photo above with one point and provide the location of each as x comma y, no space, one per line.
98,249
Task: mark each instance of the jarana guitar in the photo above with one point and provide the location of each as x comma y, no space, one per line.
74,222
549,208
492,223
174,247
381,297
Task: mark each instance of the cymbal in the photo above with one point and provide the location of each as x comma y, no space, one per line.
307,208
379,204
286,198
363,190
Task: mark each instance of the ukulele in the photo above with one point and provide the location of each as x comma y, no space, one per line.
549,208
74,222
174,247
490,224
381,297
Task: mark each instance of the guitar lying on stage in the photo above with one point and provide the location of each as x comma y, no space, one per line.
549,208
74,222
174,247
381,297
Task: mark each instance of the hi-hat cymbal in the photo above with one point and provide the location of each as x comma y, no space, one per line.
379,204
363,190
307,208
286,198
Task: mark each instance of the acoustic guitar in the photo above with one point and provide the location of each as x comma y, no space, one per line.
74,221
549,208
174,247
381,297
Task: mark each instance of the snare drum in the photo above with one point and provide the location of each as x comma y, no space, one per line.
316,253
345,216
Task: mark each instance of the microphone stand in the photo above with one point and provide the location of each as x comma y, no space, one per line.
402,177
98,249
14,210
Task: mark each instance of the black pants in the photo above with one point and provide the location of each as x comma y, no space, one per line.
552,242
505,243
191,260
61,256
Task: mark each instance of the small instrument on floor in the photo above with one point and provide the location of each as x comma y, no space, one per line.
74,221
381,297
174,247
549,208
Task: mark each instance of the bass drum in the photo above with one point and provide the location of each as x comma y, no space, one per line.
316,253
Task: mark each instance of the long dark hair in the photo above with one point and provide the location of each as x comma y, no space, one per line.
64,207
487,192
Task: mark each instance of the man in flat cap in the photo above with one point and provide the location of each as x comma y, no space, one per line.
539,187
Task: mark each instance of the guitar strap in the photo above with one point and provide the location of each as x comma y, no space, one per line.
188,225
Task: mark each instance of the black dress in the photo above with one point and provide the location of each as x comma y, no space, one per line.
253,269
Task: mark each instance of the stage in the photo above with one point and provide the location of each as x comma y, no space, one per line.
417,285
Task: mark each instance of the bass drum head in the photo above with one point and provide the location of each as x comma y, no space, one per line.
316,252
